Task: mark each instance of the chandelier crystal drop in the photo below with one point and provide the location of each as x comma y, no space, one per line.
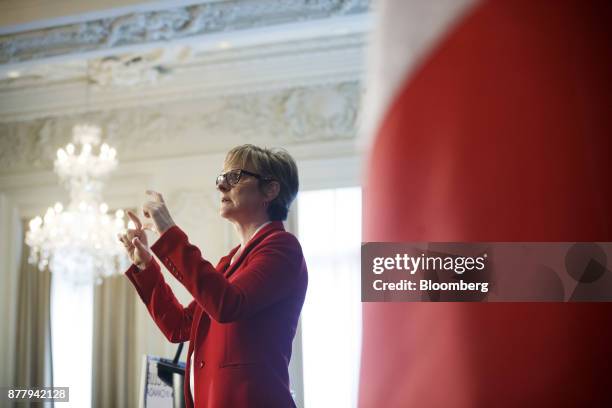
79,242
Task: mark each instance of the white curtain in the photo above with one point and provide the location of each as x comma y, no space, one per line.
72,334
329,227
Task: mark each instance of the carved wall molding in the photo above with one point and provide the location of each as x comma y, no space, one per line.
136,29
178,73
128,70
300,115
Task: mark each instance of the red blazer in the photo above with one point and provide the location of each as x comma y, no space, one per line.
242,320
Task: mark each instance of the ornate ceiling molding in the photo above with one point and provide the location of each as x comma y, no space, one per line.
297,116
141,28
169,76
127,70
287,44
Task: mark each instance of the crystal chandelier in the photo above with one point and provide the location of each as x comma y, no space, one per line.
79,242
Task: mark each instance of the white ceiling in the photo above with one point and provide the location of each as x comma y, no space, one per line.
211,48
278,72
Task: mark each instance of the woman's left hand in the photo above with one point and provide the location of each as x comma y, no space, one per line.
157,211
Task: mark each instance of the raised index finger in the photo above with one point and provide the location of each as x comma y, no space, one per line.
157,196
135,219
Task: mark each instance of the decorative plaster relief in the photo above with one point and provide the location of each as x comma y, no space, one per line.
167,25
296,115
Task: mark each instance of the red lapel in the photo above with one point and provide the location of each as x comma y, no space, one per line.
261,234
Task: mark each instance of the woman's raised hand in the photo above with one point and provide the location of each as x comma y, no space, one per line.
156,210
136,244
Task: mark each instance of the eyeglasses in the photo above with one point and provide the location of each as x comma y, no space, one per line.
233,177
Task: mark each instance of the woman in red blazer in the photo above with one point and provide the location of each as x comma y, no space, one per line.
244,314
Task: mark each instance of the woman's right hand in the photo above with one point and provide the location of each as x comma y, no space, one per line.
136,244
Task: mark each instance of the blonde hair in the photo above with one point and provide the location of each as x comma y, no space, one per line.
274,163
